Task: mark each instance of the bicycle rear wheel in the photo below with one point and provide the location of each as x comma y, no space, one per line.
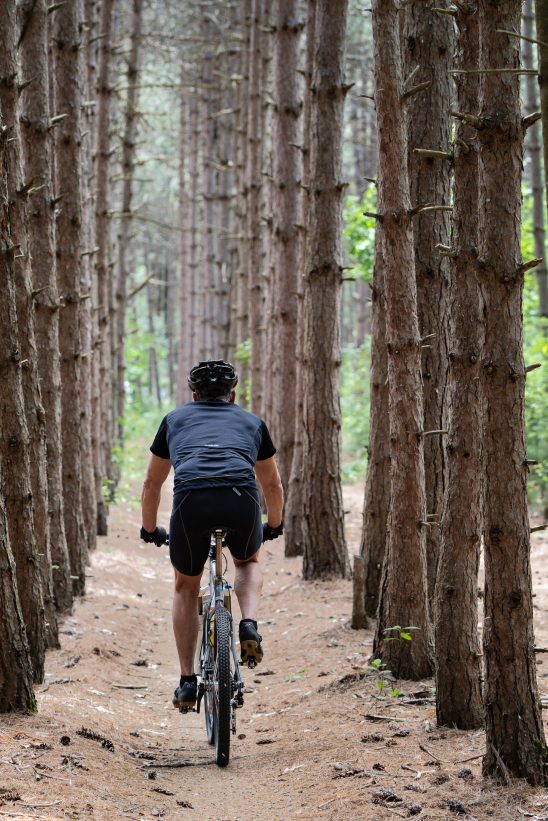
223,688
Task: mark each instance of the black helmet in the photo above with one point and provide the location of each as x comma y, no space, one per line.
214,377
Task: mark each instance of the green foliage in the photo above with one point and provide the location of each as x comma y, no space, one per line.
243,352
356,363
535,349
359,234
32,706
403,633
378,671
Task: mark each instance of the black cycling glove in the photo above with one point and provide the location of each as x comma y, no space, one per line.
272,532
158,537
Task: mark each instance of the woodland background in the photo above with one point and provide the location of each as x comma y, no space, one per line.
193,180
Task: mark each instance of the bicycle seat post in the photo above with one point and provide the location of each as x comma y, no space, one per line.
219,566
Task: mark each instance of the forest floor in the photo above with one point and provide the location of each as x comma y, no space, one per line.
117,669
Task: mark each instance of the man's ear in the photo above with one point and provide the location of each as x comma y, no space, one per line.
195,397
233,396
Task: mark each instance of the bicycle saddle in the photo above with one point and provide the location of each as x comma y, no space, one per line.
227,531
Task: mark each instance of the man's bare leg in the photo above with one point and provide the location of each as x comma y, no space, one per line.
185,619
248,584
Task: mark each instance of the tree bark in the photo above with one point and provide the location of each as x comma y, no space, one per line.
430,44
458,657
541,19
513,718
102,234
533,146
87,89
68,70
15,484
377,481
37,151
286,168
16,692
403,598
242,302
17,205
185,277
129,142
254,187
293,508
325,552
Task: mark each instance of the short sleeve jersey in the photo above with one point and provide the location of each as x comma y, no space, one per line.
212,443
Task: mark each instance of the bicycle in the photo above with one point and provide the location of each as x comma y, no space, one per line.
221,684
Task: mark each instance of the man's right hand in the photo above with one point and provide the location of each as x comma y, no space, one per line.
272,532
158,537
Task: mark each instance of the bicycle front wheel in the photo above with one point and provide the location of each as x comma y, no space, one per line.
223,687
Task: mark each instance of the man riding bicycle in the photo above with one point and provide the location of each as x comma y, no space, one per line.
216,449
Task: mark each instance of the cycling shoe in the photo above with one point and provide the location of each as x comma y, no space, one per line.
185,696
250,642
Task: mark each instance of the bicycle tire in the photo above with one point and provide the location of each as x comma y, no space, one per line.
206,700
223,676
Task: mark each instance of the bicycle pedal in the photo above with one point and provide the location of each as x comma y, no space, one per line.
251,663
188,710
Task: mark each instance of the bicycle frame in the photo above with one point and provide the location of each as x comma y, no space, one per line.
216,591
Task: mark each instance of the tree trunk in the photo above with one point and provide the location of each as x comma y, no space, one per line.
430,44
128,166
102,235
403,598
37,151
377,481
458,658
533,146
512,709
15,484
293,508
242,302
325,551
541,19
68,66
87,89
193,228
286,167
34,410
209,82
254,187
16,693
185,276
153,375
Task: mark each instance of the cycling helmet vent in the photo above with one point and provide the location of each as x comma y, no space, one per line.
213,377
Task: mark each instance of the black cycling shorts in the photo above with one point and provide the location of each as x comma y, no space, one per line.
195,512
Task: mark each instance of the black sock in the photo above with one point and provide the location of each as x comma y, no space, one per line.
186,679
249,621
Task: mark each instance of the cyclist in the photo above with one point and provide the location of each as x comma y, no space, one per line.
216,449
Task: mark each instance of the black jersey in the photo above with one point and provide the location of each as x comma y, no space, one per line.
212,444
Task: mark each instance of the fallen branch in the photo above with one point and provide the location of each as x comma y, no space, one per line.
500,762
425,750
154,765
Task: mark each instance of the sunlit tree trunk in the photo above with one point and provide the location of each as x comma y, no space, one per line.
37,154
403,598
458,658
513,719
293,507
185,277
325,551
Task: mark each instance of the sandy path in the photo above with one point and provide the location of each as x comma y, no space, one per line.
298,732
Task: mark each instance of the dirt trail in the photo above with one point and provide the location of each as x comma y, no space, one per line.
304,747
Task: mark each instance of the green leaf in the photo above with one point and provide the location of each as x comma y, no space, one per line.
411,628
406,636
396,692
397,627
